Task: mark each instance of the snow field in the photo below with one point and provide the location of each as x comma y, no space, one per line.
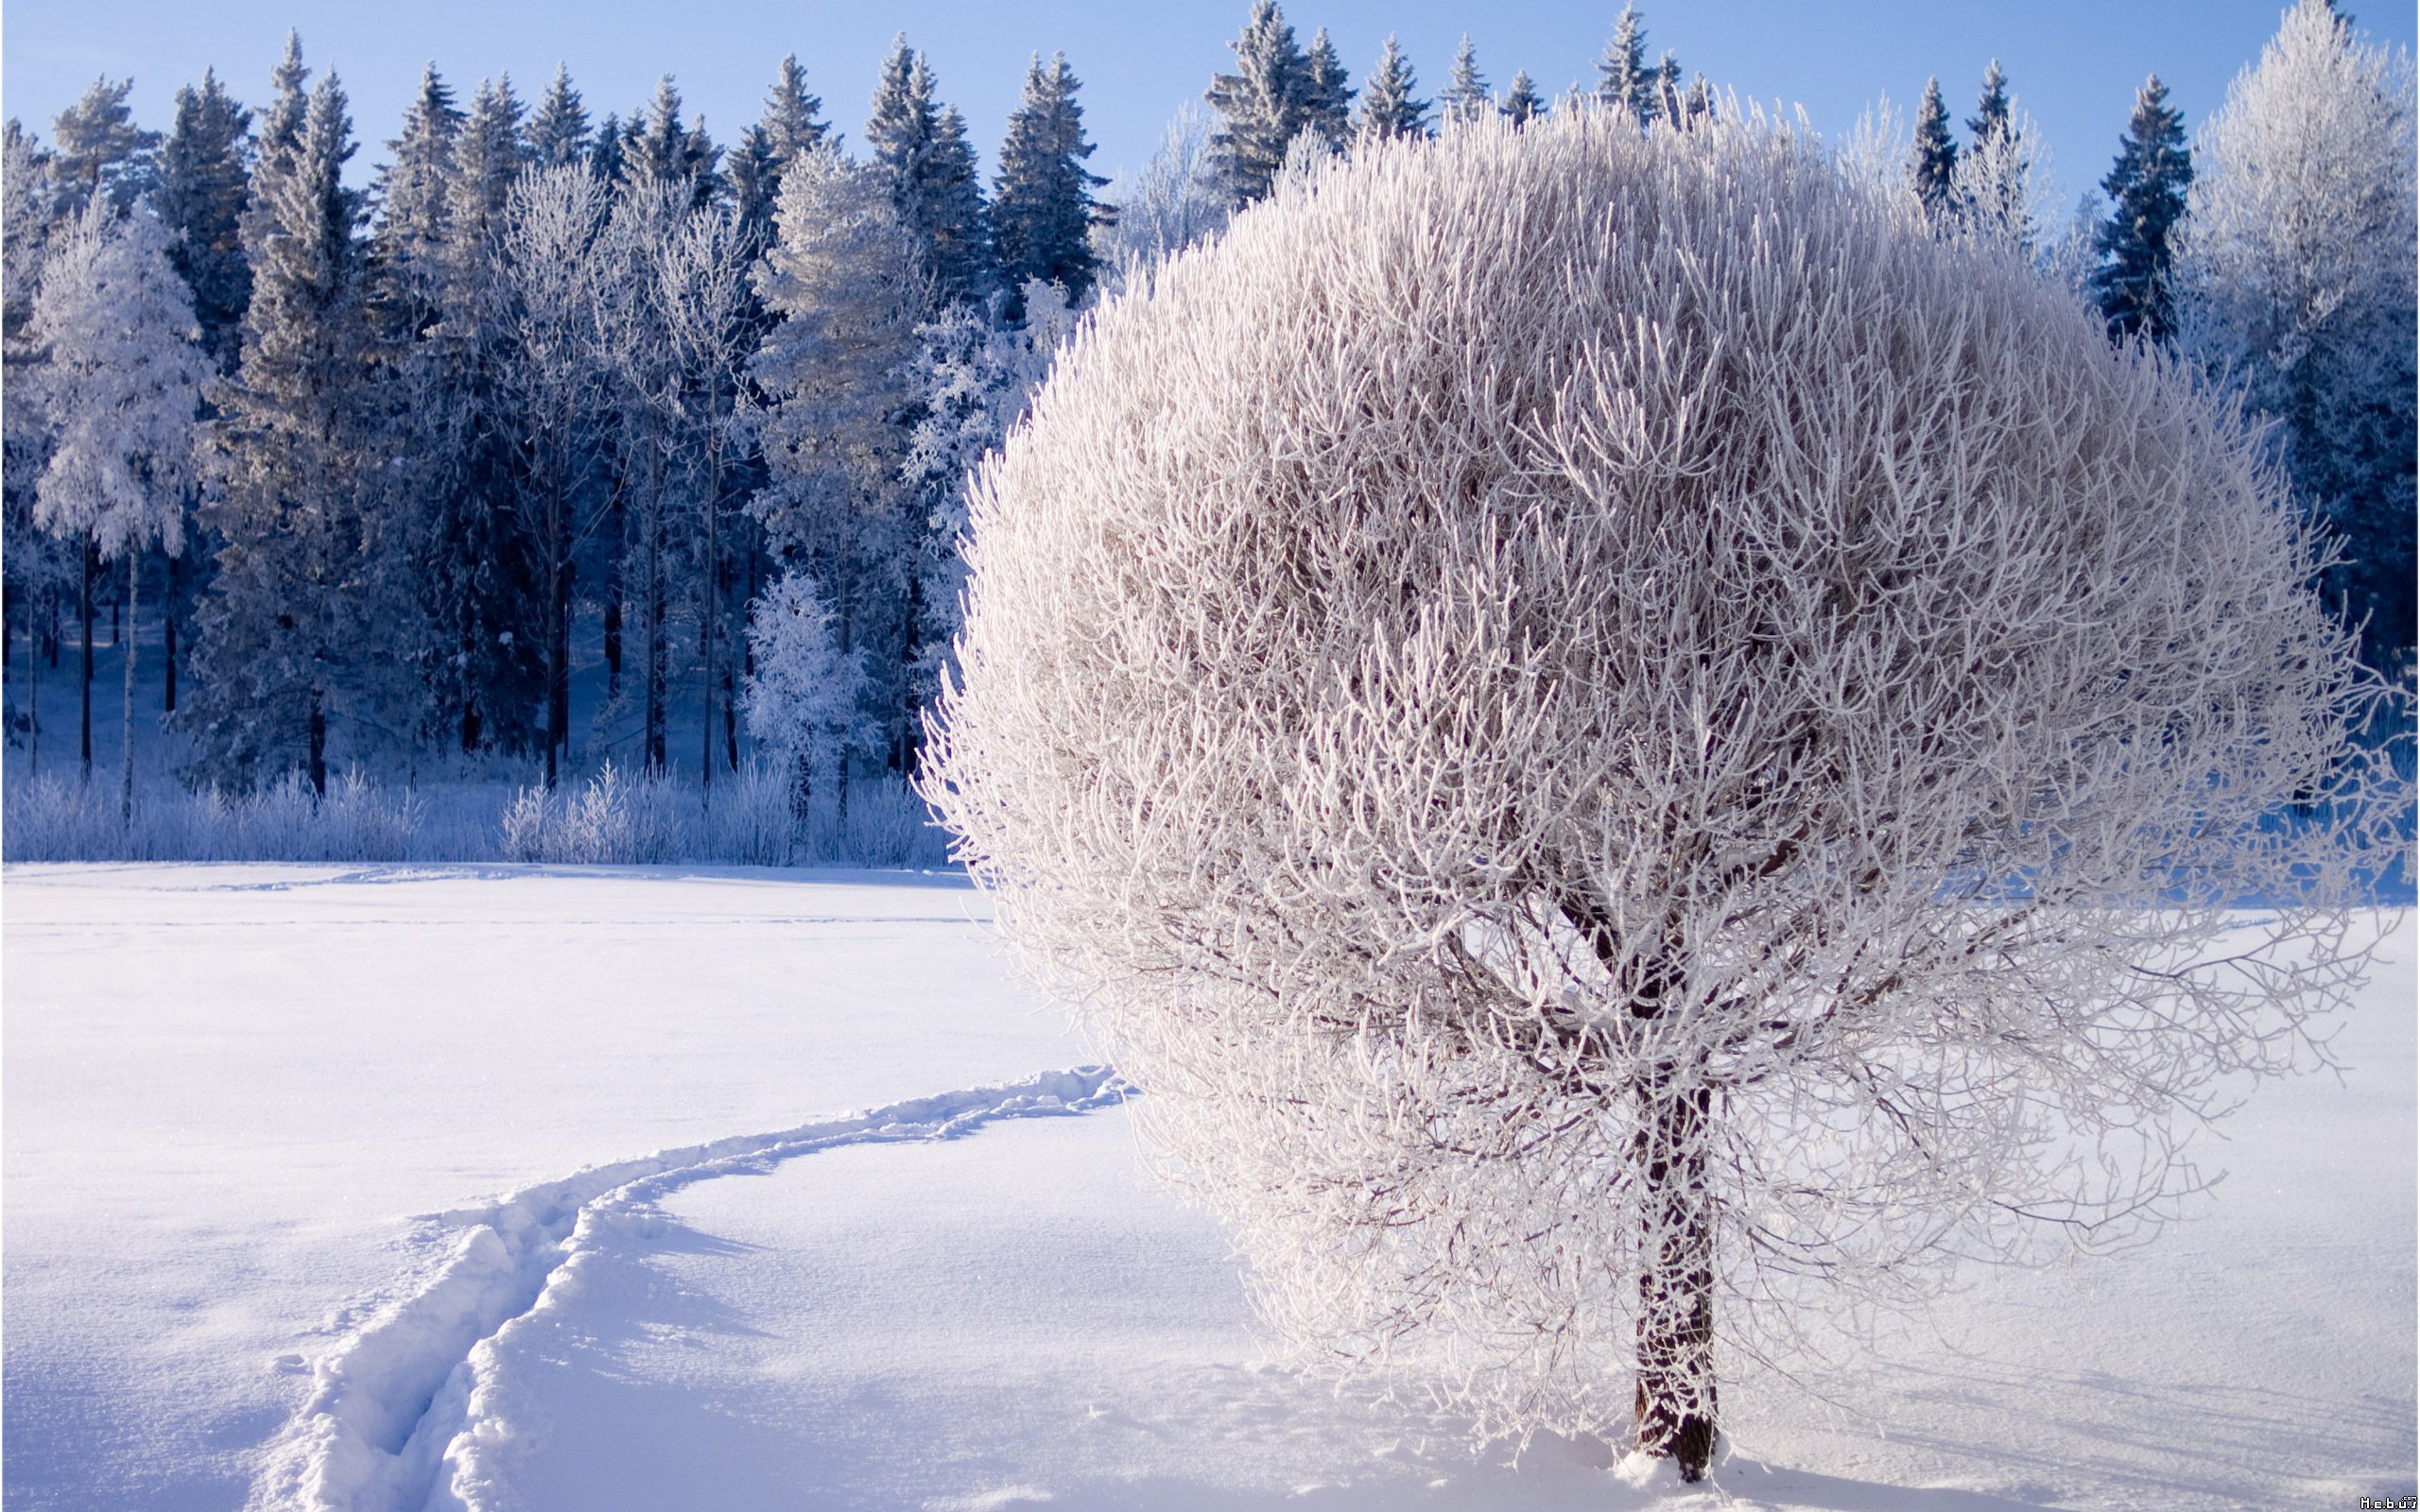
227,1086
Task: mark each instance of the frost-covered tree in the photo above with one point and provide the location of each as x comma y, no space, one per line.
1328,93
30,558
1465,97
294,637
548,264
1389,109
1932,164
1522,102
123,382
2295,278
1261,106
96,147
789,121
1623,79
2002,179
202,182
844,280
1042,203
558,128
802,697
921,149
412,190
1179,198
1600,824
2146,188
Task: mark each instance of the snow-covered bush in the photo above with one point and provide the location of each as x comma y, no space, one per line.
1599,718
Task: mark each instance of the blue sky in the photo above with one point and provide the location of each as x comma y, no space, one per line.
2073,63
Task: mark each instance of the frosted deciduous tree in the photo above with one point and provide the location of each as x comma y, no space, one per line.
803,698
2295,273
556,390
1179,198
1601,823
123,384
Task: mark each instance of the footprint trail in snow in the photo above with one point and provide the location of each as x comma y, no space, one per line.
400,1416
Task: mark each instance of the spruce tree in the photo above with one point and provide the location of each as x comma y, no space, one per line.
1997,190
753,177
295,632
655,144
789,121
2147,187
558,129
921,150
1261,104
1042,203
1932,165
1328,93
1668,89
606,157
702,160
413,190
202,183
1623,79
1465,97
1522,103
96,147
1991,117
1388,108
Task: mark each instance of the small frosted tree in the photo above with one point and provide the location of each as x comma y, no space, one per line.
1605,823
124,385
802,699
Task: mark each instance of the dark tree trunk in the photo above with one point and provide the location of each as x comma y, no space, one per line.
168,625
1676,1387
84,616
316,739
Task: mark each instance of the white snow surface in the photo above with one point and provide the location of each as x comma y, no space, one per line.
330,1187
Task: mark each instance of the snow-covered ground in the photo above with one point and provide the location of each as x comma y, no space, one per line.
332,1186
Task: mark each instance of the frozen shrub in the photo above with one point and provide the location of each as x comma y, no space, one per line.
1598,716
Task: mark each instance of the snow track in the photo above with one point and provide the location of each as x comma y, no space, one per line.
400,1418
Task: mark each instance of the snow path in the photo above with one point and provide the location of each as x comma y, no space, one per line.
401,1417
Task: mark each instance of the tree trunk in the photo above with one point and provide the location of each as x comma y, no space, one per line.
168,628
126,738
658,654
709,625
558,675
1676,1389
316,739
84,616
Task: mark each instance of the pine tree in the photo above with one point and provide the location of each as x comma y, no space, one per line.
1522,103
558,129
1388,108
842,277
294,635
789,123
655,143
1042,203
2146,187
1623,79
704,160
1698,105
201,187
751,171
606,159
1464,97
921,152
1999,191
96,147
1932,166
411,191
1667,89
1261,106
1328,93
123,380
36,569
2295,276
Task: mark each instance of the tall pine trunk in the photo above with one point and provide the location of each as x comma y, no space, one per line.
557,635
1676,1387
709,624
315,739
658,654
130,643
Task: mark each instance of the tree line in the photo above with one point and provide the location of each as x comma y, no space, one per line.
384,467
